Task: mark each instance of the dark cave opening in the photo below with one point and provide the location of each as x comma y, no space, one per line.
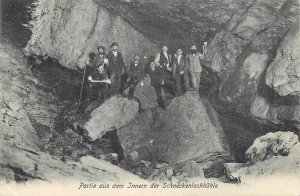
14,21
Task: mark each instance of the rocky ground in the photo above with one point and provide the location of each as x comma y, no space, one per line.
251,66
23,155
249,88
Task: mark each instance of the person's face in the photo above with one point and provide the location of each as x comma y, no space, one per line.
179,52
165,49
115,48
193,48
136,58
101,51
100,69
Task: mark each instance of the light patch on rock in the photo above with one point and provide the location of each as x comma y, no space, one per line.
260,107
114,113
255,64
283,73
277,155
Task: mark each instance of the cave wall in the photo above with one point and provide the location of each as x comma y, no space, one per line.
253,45
69,30
245,38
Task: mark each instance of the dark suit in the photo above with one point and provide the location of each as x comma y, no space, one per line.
136,74
176,69
116,64
157,76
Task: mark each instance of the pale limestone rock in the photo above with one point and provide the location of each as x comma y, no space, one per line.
283,75
271,144
114,113
187,129
146,95
277,156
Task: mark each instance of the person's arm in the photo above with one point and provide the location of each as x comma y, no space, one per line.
142,73
187,61
99,81
170,60
121,60
122,64
204,52
130,72
185,66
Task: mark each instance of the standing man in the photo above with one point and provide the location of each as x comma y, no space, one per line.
100,58
96,69
160,83
164,59
194,63
180,68
136,74
116,68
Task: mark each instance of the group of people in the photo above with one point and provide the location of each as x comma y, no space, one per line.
106,73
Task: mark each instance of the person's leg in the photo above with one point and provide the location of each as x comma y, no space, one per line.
115,82
193,78
89,95
132,84
160,98
178,84
123,83
198,76
186,80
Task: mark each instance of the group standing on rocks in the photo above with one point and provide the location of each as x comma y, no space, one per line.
106,73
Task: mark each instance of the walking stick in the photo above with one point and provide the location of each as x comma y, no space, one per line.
82,85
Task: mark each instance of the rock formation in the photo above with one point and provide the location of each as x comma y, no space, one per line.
146,95
252,68
283,75
243,38
159,135
275,154
16,84
22,154
69,30
112,114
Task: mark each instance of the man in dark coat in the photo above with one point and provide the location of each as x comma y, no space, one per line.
116,68
160,83
100,58
136,74
180,68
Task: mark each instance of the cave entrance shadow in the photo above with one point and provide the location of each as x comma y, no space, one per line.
239,131
115,143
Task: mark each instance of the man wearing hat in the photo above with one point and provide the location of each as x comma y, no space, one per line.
136,74
100,58
194,63
116,68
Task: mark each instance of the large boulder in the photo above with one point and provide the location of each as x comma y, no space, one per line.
283,75
271,144
146,95
186,130
114,113
272,155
